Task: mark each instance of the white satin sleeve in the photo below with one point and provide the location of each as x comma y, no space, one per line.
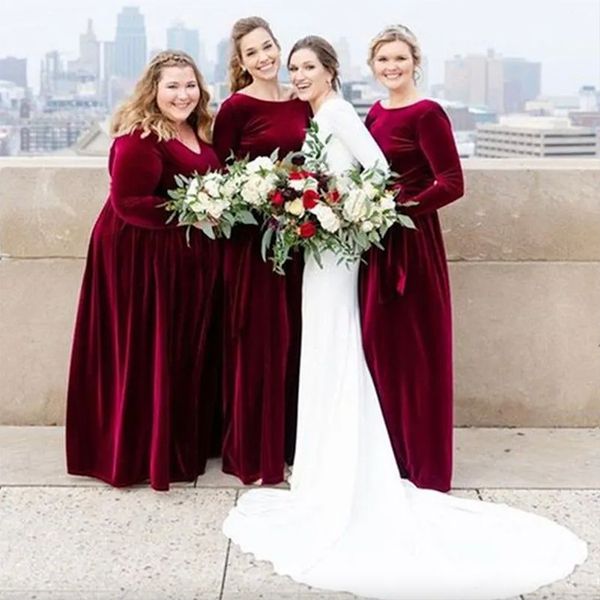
347,127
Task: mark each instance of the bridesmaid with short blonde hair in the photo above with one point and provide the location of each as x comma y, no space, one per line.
404,289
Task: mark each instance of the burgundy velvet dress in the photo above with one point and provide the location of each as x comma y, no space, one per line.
405,294
136,407
262,309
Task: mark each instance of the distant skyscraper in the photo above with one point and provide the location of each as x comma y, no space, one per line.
502,84
180,37
222,66
130,43
14,69
89,52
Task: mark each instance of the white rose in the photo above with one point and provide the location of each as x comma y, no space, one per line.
192,189
297,184
260,163
200,204
216,208
212,184
344,184
266,185
295,207
369,190
232,186
387,202
367,226
250,193
328,219
355,206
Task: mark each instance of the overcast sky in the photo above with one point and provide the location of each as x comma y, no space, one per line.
563,34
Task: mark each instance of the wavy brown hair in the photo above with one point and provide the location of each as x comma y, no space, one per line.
326,54
397,33
141,111
239,78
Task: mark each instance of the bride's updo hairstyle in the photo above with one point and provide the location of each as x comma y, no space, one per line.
397,33
326,54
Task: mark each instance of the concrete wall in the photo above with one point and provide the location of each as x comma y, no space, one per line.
524,248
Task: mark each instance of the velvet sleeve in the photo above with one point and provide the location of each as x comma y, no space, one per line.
434,136
136,167
227,131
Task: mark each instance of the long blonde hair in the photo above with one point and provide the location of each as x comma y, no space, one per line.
141,111
239,78
397,33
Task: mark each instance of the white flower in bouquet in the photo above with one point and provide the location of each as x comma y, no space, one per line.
212,184
295,207
192,190
232,186
369,190
297,184
355,206
367,226
216,207
257,189
260,163
344,184
201,202
387,202
328,219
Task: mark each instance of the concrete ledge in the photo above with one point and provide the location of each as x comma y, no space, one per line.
527,347
525,266
36,321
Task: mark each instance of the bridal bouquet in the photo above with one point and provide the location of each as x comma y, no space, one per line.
303,205
209,202
294,204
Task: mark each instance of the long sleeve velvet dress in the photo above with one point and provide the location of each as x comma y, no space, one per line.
405,294
136,407
261,309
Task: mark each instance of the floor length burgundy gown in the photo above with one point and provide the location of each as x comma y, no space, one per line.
137,405
262,309
405,294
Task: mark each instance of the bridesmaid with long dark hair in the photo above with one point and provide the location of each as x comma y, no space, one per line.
262,309
404,289
137,409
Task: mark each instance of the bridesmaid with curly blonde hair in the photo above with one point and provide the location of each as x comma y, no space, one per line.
136,408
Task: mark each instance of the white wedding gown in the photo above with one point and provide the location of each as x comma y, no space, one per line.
349,522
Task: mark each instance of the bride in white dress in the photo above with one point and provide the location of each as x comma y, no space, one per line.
349,522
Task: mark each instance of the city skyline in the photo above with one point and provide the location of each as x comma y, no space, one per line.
517,30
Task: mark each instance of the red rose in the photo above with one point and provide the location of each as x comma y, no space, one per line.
334,196
310,199
277,198
298,175
307,230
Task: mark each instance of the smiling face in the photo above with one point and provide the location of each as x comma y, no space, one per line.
311,80
260,55
178,93
394,66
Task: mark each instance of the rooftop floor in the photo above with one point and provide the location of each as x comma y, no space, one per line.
71,538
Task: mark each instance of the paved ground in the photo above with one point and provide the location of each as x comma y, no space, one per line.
77,539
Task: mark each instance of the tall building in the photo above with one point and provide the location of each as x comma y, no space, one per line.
502,84
539,137
222,66
130,43
89,53
14,69
187,40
